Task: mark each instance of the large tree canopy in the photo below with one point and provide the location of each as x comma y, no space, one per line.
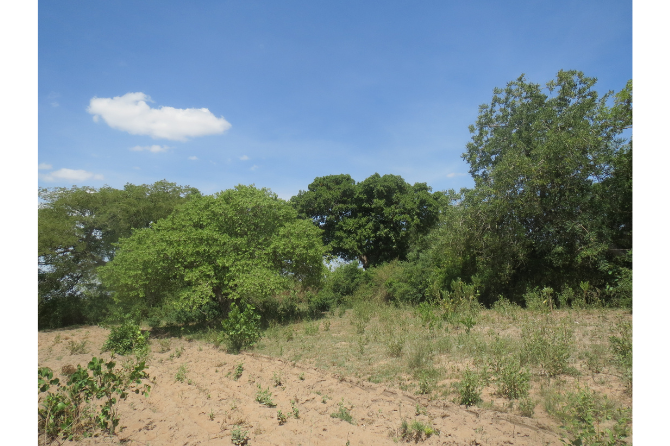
77,230
242,243
373,221
553,183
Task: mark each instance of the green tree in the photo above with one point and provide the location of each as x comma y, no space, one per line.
543,161
240,244
77,230
373,221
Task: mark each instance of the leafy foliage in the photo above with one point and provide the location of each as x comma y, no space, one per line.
373,221
244,243
77,232
126,338
64,414
241,329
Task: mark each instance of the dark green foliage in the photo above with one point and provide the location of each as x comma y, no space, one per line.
373,221
126,338
64,412
551,202
78,229
241,329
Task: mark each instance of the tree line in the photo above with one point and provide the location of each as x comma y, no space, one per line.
550,214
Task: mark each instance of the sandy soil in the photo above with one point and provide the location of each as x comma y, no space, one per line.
209,403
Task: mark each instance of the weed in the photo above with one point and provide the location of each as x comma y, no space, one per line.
394,347
311,329
513,381
211,415
77,348
415,431
301,377
239,369
177,353
420,410
527,407
548,346
281,417
239,436
421,356
181,373
468,322
622,348
164,345
343,413
264,396
277,379
294,410
63,413
326,325
469,389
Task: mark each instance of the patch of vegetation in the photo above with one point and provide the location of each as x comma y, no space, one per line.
415,431
241,329
126,338
513,380
469,389
239,369
264,397
65,412
343,413
181,373
77,348
281,417
239,436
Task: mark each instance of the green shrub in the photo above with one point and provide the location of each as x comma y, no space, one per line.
469,389
241,329
126,338
513,381
548,346
238,436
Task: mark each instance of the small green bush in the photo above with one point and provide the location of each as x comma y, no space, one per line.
469,389
264,397
126,338
241,329
513,381
238,436
415,431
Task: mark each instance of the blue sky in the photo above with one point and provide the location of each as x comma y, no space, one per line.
295,89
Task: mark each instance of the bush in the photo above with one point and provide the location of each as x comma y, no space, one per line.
241,329
513,381
469,389
126,338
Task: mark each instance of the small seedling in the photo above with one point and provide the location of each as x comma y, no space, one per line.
277,379
239,436
264,397
211,415
239,369
343,413
301,377
294,410
281,417
181,373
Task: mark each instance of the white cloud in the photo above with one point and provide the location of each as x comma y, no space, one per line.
153,149
71,174
244,158
55,104
193,158
254,167
131,114
454,174
44,166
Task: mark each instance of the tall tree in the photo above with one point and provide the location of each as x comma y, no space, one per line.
373,221
77,231
241,244
539,161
